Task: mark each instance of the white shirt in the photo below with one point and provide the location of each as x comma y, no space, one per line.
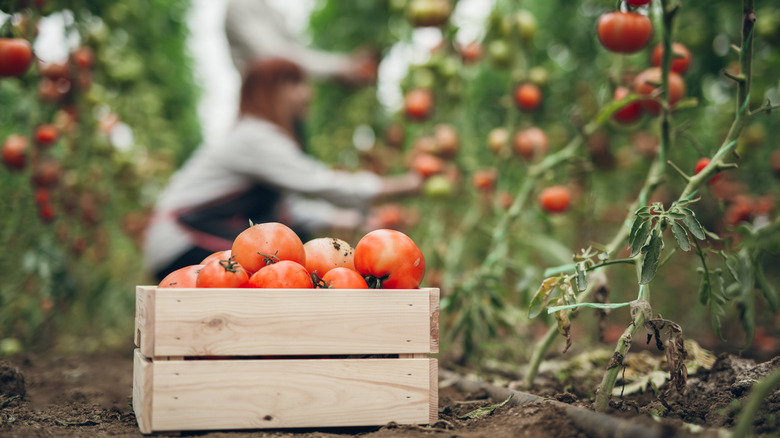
255,31
256,151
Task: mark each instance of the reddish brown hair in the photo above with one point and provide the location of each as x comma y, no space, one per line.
259,90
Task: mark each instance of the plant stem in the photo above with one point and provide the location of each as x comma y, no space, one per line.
757,395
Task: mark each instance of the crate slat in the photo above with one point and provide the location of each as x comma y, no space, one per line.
250,322
285,393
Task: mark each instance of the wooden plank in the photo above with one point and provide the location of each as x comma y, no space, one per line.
434,317
142,391
144,319
433,414
284,393
250,322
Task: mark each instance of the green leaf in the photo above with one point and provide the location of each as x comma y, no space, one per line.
484,411
732,264
683,241
541,297
640,237
582,278
704,289
693,224
746,307
767,290
652,255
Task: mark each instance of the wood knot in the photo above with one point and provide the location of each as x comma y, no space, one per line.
215,323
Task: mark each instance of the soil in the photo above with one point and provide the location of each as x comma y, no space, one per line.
90,396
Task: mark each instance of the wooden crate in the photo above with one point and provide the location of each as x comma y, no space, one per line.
270,358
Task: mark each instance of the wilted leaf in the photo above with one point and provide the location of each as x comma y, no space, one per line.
564,327
652,255
484,411
693,224
541,297
681,236
640,237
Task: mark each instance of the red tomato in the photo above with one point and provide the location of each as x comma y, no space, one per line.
222,273
326,253
629,113
484,179
286,274
46,135
471,52
266,243
418,103
46,212
389,259
624,32
83,57
447,140
701,164
15,56
681,58
219,255
644,84
555,199
46,172
15,151
528,96
427,164
531,143
344,278
182,277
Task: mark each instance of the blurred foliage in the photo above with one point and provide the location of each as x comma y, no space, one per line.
72,280
558,49
125,120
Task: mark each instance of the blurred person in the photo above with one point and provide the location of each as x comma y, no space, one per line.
257,31
258,172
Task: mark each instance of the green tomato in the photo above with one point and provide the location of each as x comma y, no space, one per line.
438,186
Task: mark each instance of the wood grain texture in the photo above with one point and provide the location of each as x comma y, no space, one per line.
251,394
142,391
250,322
144,319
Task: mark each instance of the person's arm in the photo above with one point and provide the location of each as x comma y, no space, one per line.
254,30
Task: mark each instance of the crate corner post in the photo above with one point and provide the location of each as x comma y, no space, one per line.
143,391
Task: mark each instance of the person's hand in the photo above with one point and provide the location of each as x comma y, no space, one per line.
400,185
361,70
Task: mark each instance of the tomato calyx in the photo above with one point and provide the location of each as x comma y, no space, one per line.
269,259
319,283
230,265
375,282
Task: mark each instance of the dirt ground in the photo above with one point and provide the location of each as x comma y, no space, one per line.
90,396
